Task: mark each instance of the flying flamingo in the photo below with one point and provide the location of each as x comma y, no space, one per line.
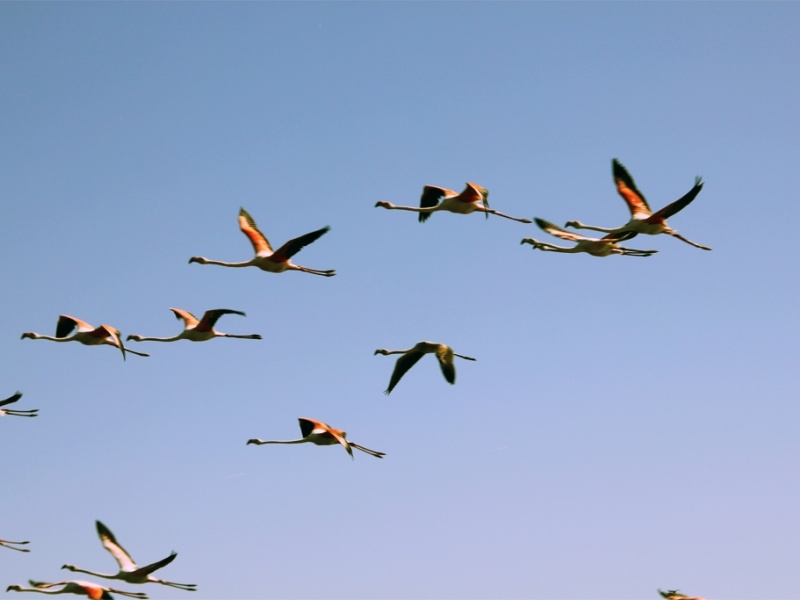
595,246
473,198
196,330
85,334
444,354
15,413
644,220
5,543
321,434
676,595
267,259
81,588
129,572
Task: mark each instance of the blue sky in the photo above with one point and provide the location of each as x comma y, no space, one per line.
629,424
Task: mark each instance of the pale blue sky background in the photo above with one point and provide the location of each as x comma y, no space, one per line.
629,423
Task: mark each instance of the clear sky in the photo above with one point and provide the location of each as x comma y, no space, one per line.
629,424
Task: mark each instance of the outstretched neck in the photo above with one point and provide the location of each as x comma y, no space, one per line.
208,261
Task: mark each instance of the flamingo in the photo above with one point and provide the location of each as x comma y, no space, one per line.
85,334
644,220
444,355
15,413
321,434
5,543
676,595
595,246
473,198
129,572
196,330
267,259
94,591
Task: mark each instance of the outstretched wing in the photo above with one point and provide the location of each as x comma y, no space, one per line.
146,570
431,196
67,325
680,203
250,229
403,364
211,317
110,543
189,320
627,189
11,400
294,246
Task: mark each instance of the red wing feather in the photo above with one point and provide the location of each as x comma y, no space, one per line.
627,189
250,229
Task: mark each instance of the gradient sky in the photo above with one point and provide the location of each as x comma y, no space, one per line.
630,423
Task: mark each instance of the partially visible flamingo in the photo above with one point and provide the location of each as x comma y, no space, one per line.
196,330
129,572
473,198
5,543
644,220
676,595
267,259
85,334
95,591
595,246
321,434
444,354
16,413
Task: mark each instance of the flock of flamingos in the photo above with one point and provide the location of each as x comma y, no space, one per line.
474,198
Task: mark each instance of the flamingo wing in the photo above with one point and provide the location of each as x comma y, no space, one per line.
147,570
477,193
627,189
294,246
211,317
403,364
67,325
431,196
111,544
309,426
340,436
189,320
11,400
106,331
680,203
250,229
445,356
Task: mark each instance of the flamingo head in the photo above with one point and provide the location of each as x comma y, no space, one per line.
198,259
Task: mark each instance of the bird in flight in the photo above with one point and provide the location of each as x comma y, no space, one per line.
676,595
444,354
267,259
196,330
321,434
85,334
129,571
604,246
644,220
473,198
15,413
94,591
